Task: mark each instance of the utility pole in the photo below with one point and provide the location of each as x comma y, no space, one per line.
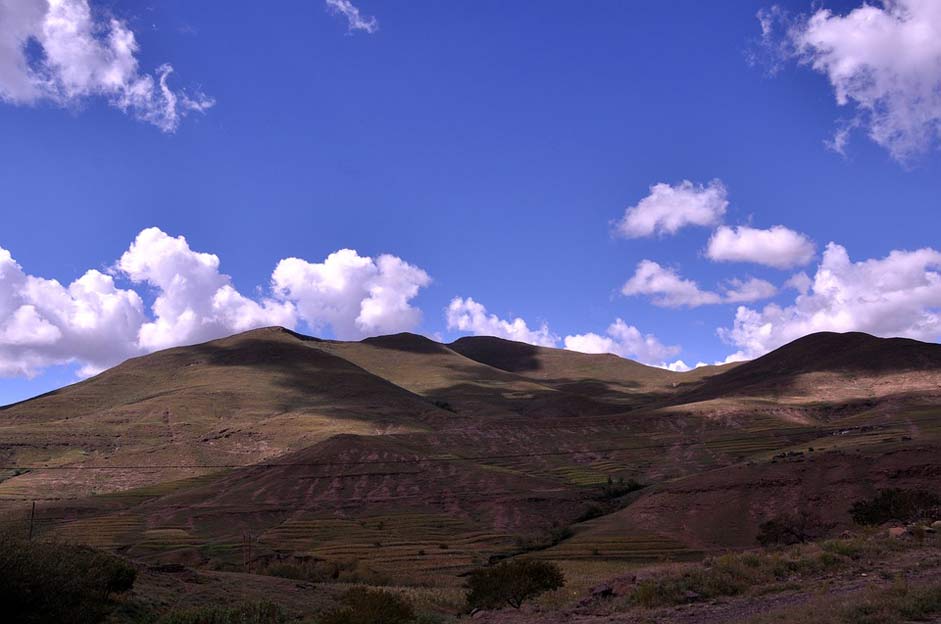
247,551
32,516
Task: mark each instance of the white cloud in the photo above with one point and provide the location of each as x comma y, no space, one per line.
751,289
899,295
82,57
883,61
195,302
621,339
668,208
800,282
96,324
43,323
666,287
467,315
355,20
777,247
626,341
678,366
357,296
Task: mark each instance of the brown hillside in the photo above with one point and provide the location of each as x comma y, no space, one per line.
423,460
829,365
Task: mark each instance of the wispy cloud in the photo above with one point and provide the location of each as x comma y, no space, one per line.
82,57
882,62
355,19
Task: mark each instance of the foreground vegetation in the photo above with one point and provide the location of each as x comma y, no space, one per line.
898,604
48,582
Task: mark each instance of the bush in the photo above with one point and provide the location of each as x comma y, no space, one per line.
541,541
895,505
730,575
247,613
618,488
319,571
370,606
511,583
791,529
47,582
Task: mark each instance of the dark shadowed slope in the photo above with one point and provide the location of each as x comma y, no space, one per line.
231,401
829,365
604,376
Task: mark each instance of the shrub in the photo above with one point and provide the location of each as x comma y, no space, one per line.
62,583
370,606
616,489
319,571
787,530
729,575
898,604
541,541
511,583
248,613
896,505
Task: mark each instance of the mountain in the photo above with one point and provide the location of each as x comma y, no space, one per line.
422,460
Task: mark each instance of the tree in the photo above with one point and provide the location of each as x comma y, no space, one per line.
792,529
511,583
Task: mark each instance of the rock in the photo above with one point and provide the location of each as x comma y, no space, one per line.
602,591
897,531
936,524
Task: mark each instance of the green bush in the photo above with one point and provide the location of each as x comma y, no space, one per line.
62,583
370,606
512,583
895,505
248,613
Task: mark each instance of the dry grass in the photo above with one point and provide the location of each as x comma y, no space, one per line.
899,604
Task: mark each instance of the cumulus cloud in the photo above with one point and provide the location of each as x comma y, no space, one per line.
669,290
357,296
78,56
668,208
882,61
751,289
195,302
43,323
353,17
97,324
899,295
467,315
621,339
800,282
627,341
666,287
777,247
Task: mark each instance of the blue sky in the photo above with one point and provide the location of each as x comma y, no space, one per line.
492,147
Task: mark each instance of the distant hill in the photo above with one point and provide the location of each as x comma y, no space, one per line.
863,361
